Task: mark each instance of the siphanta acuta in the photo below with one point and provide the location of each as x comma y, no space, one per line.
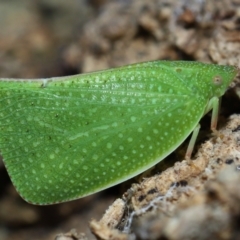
68,137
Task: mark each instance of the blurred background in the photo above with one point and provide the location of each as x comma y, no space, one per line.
46,38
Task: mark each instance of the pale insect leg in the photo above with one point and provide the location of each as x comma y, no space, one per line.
192,143
213,105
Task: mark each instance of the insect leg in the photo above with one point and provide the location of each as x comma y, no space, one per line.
215,112
213,105
192,143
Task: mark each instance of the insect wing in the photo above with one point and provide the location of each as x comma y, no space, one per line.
66,138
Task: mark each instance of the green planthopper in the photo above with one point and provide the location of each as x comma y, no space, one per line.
67,137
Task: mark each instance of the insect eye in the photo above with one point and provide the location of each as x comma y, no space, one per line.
217,80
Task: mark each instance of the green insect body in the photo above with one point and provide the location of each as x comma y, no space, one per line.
68,137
